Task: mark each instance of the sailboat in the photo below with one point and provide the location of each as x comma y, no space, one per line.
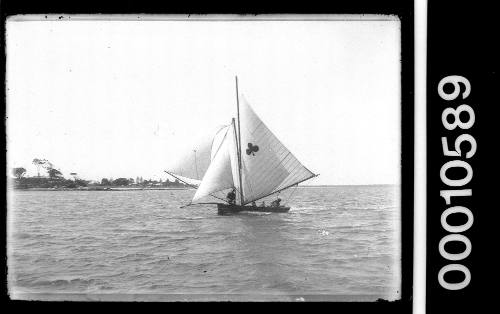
244,157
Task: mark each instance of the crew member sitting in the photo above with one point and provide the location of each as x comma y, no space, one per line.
231,197
276,202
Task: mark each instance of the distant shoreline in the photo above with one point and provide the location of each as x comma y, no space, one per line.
105,188
99,189
330,185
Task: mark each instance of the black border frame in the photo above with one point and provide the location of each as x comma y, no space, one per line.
403,10
460,41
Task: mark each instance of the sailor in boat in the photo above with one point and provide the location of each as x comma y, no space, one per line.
276,202
231,197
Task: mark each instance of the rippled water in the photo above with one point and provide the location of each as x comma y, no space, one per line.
340,241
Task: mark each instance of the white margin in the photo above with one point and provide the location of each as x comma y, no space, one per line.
420,155
201,17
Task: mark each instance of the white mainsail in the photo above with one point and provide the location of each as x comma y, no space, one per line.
194,163
267,165
220,173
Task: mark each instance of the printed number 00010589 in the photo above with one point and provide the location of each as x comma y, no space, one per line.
459,184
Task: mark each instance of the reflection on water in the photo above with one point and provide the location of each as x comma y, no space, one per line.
341,241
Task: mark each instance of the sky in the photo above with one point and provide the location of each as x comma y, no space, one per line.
124,98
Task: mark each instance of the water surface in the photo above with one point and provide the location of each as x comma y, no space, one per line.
336,243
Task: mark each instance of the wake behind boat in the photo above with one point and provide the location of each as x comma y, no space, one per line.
244,158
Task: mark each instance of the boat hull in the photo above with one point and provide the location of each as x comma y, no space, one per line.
225,209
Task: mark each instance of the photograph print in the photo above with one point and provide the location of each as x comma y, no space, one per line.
204,158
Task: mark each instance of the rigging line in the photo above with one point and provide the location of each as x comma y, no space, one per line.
237,190
220,198
281,189
192,204
248,182
213,139
293,192
286,187
221,142
211,194
188,184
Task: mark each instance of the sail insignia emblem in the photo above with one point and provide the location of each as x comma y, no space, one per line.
252,149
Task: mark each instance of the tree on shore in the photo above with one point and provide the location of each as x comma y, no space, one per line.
120,181
54,173
38,163
44,163
19,172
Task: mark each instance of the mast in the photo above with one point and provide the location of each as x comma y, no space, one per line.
195,163
239,141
